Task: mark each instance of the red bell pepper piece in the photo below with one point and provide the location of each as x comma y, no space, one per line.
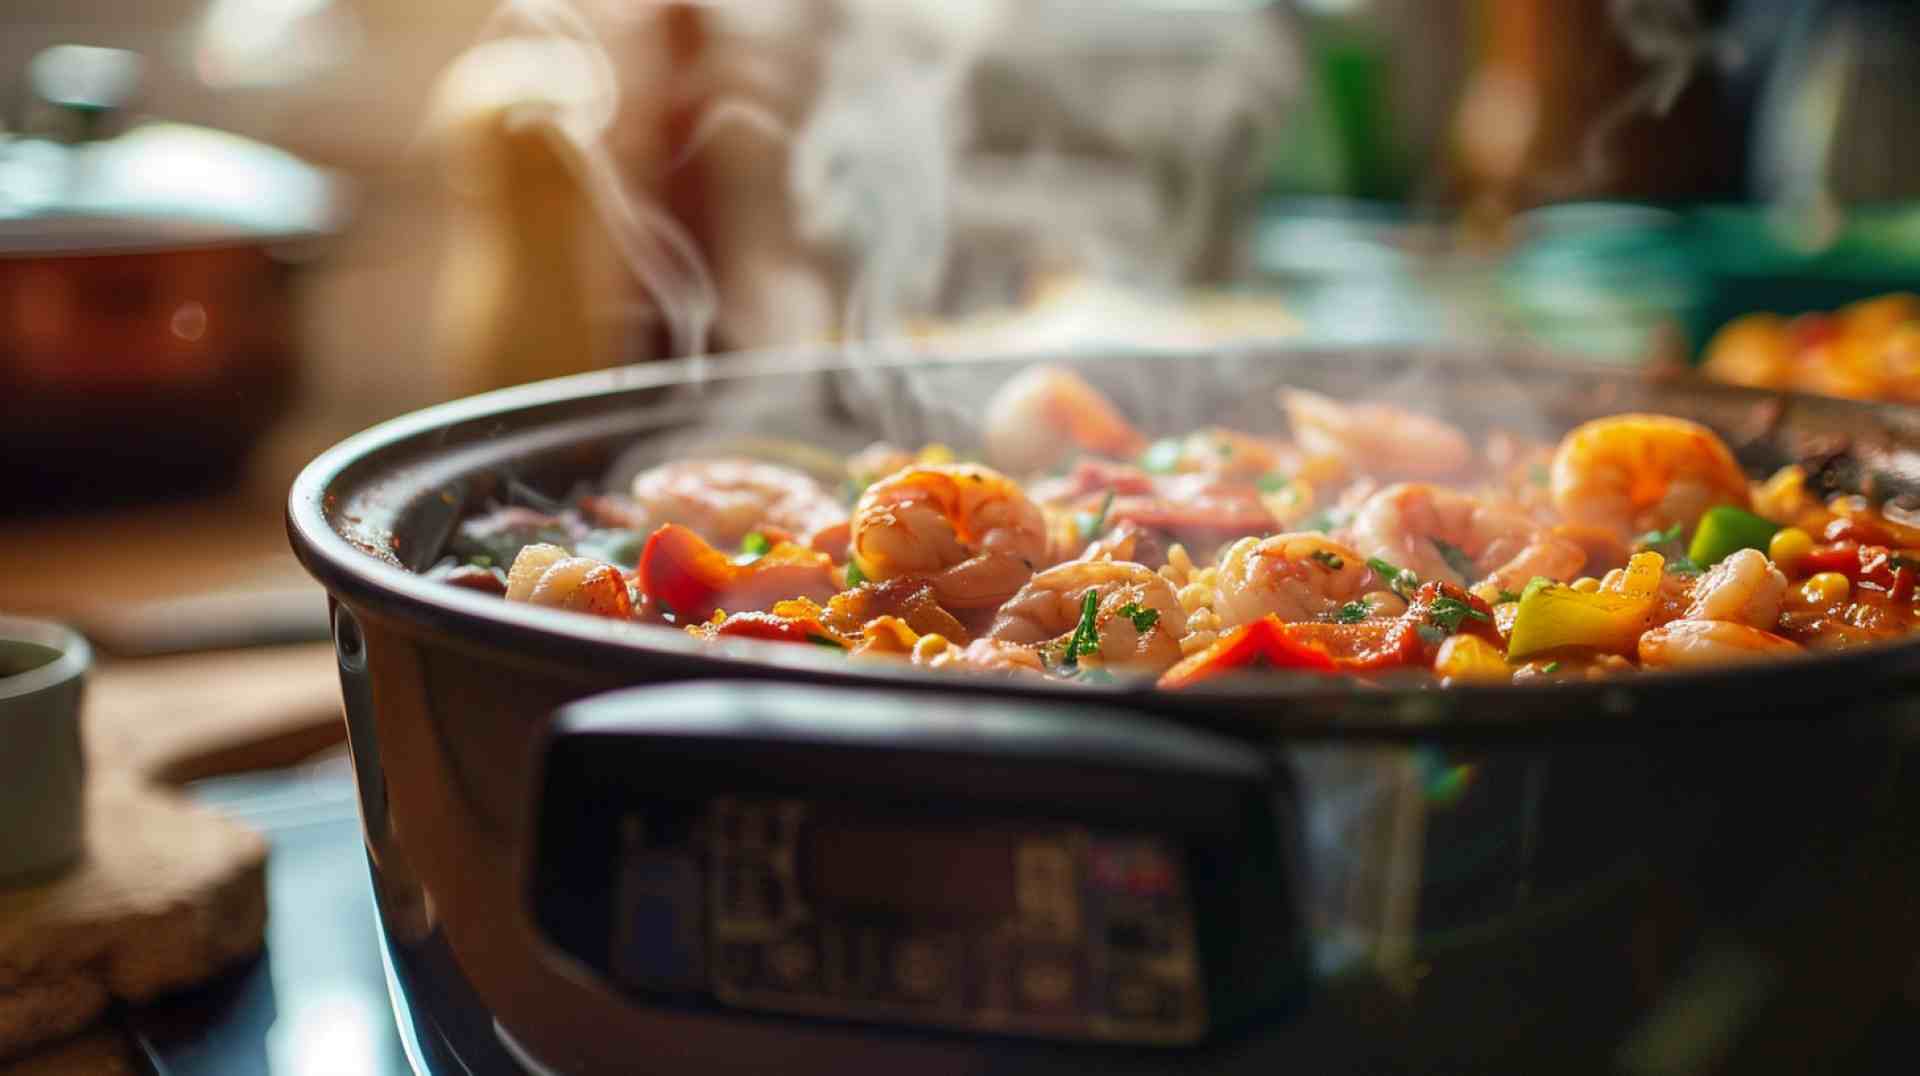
679,570
772,627
1842,557
1267,642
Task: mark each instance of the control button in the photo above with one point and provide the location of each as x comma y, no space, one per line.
1046,983
1045,890
1135,997
792,961
919,968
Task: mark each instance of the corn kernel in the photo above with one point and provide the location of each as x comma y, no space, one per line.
1788,548
1826,589
1586,584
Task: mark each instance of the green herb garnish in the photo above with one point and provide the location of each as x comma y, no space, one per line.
1456,559
755,545
1550,667
818,639
1538,472
480,560
1398,579
1447,613
1656,538
1086,635
1897,562
1090,524
1507,596
1329,560
1273,483
1352,613
855,577
1681,564
1431,635
1161,457
1142,618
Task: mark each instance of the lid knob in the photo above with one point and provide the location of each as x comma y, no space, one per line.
77,88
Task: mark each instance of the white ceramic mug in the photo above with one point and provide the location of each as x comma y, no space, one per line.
42,770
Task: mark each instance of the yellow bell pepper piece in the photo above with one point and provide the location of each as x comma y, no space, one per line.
1471,659
1554,615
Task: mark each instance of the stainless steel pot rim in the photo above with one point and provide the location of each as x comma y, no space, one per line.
1298,705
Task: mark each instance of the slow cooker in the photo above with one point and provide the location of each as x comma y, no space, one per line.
605,847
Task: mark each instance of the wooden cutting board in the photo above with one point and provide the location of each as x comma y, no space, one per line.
170,893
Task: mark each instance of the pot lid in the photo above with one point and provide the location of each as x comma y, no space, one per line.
64,189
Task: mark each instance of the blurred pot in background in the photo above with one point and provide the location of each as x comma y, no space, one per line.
147,301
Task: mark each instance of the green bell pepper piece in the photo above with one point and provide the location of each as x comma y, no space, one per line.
1725,531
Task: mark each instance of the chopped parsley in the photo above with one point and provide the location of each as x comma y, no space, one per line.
481,560
1352,613
755,545
1507,596
1327,559
1273,483
1225,449
1448,613
1161,457
1398,579
1090,524
1539,474
1086,635
855,577
818,639
1456,559
1550,667
1143,619
1897,562
1681,564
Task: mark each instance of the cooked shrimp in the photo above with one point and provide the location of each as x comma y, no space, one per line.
1041,416
548,575
724,499
1375,438
1049,607
978,656
1644,472
1743,589
1439,533
967,529
1303,576
1687,644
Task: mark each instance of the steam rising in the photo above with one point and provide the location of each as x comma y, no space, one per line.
653,246
870,155
1674,41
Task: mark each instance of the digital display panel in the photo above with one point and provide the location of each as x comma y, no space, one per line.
917,871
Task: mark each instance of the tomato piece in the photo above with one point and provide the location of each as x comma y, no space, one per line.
1268,642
